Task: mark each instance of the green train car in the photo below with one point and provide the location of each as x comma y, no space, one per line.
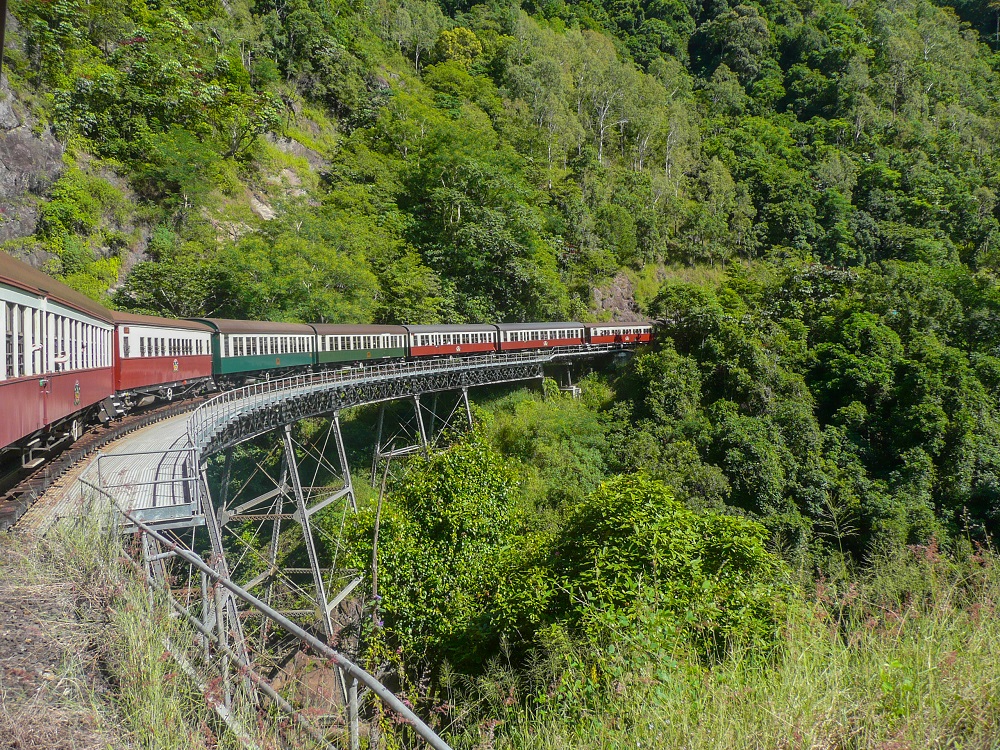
349,344
241,347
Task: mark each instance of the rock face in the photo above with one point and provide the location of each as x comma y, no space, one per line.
618,298
29,163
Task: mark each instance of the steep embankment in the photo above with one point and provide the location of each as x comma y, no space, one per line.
30,161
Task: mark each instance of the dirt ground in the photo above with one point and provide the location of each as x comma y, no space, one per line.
52,691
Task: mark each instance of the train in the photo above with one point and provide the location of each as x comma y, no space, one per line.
68,361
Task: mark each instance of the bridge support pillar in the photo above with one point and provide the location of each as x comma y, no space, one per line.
468,408
420,423
421,433
301,515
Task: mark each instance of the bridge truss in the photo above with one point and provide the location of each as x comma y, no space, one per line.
284,492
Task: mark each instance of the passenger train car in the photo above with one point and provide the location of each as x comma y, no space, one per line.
56,363
515,336
340,344
242,347
162,358
66,360
438,340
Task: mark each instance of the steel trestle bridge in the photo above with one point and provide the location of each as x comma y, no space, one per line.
162,491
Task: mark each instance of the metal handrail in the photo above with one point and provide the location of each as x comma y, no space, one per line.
220,409
388,698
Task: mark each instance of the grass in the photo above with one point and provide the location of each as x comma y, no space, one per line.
906,657
161,708
154,704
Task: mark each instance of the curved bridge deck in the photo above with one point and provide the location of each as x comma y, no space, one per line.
157,474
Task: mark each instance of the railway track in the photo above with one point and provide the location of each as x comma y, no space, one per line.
16,501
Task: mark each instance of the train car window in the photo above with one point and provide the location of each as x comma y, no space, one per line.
18,340
127,350
5,341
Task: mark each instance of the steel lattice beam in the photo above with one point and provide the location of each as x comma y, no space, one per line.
338,396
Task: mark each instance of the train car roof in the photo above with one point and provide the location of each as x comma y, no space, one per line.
619,323
337,329
251,327
124,318
19,274
450,328
538,326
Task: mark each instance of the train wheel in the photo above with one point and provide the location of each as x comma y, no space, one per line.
169,395
75,430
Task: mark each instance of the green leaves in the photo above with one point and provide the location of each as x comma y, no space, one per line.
711,572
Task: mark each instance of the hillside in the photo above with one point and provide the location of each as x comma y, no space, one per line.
490,161
790,500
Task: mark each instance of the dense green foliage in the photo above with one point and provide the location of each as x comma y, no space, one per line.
463,568
483,161
804,193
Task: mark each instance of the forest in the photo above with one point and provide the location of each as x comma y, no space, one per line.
789,501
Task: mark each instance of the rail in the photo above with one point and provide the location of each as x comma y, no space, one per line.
220,409
359,675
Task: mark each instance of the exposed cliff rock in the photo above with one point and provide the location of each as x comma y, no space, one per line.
30,161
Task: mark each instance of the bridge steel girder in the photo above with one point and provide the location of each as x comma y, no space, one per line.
339,396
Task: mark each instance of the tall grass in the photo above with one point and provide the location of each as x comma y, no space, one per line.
906,657
162,708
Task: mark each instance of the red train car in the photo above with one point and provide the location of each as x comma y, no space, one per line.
515,336
160,357
619,333
55,359
440,340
